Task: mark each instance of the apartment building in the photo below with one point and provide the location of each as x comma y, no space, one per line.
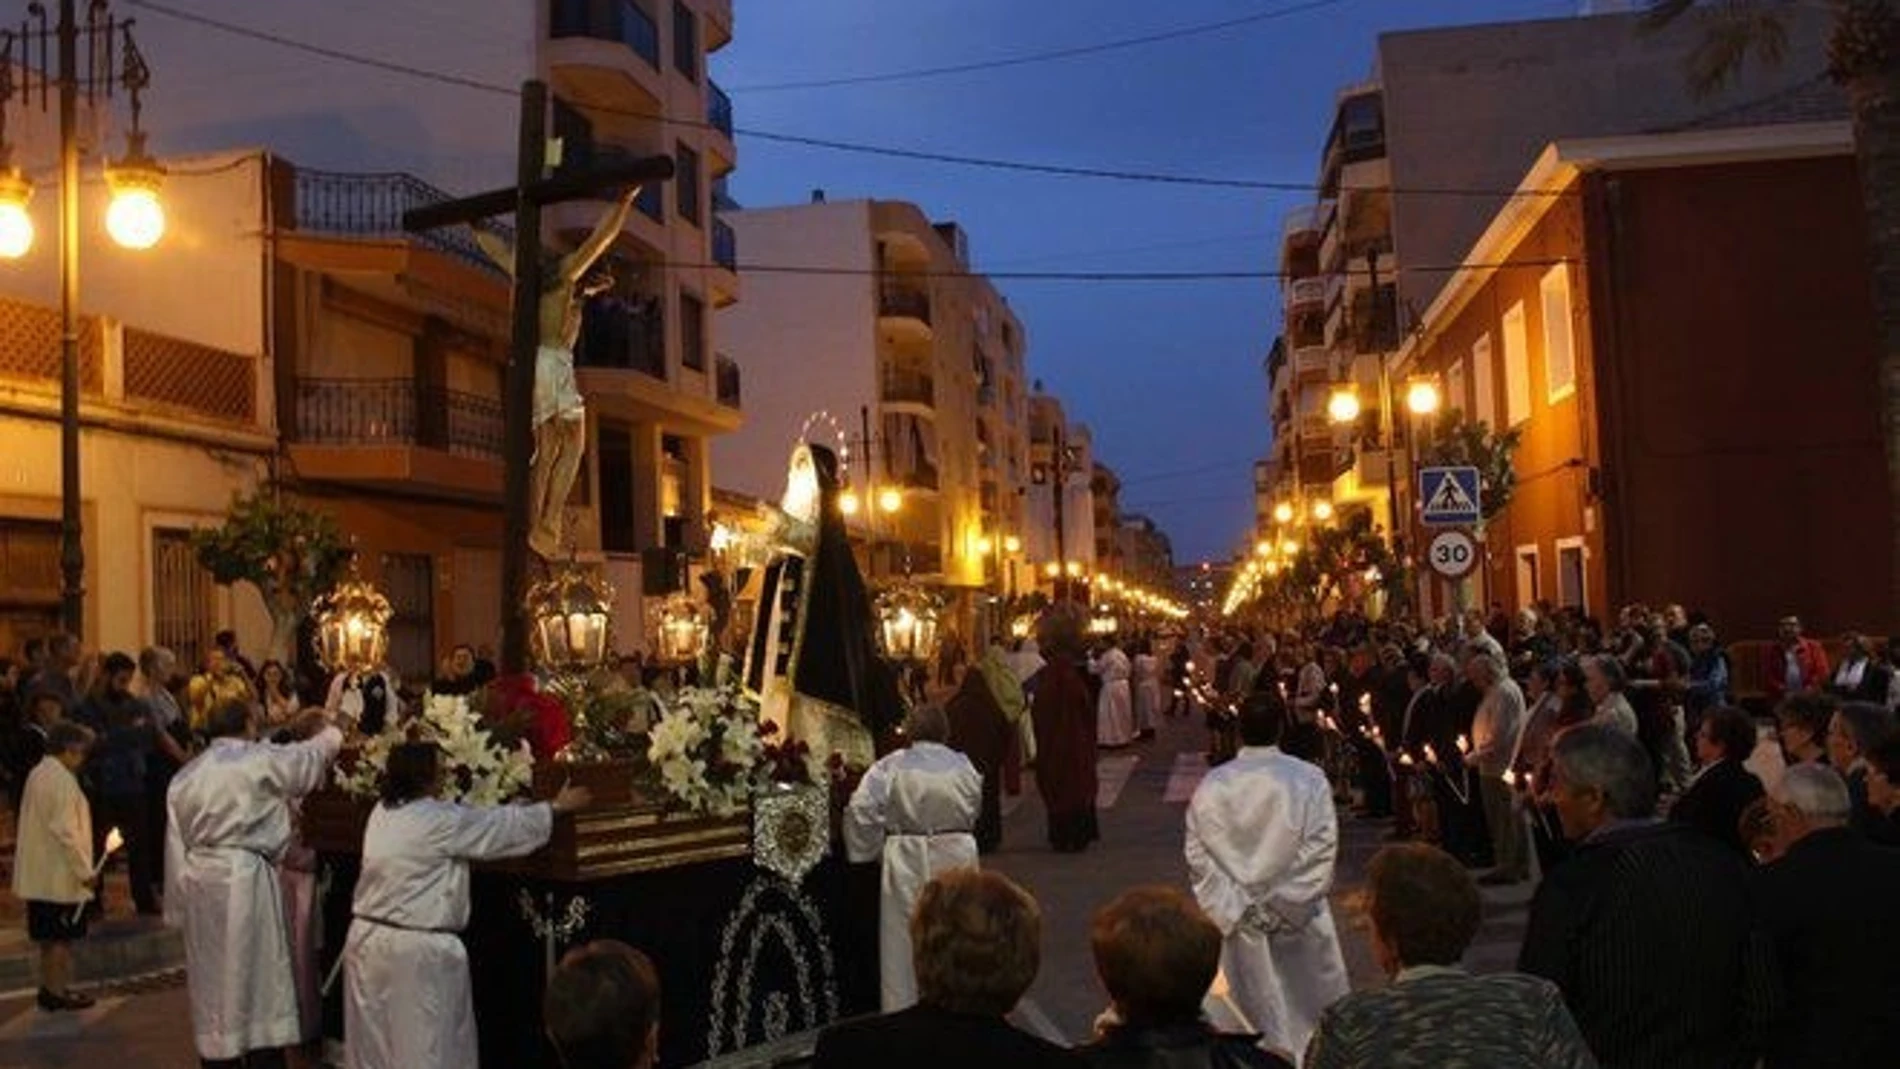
1637,329
893,348
1416,163
1147,555
379,354
1105,492
1062,468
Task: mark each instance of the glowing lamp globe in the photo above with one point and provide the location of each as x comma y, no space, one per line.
1343,406
1422,398
135,219
890,499
848,502
352,627
570,622
1322,511
1283,512
1012,544
16,227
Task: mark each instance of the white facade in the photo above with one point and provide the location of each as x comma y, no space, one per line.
807,342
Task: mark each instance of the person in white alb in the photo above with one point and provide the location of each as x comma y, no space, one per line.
411,901
1262,836
229,826
1115,708
917,809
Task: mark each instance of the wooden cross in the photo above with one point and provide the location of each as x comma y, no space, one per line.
532,191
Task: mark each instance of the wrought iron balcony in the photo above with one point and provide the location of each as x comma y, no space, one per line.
381,412
718,108
608,20
725,245
897,299
622,334
372,206
908,387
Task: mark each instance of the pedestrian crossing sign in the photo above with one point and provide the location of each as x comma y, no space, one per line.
1448,497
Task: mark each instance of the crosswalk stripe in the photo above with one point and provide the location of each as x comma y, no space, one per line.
1111,776
1186,775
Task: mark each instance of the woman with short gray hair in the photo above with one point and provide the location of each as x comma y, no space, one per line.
1604,679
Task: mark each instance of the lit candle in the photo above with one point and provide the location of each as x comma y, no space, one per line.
1365,703
1510,778
1431,754
1464,744
1405,759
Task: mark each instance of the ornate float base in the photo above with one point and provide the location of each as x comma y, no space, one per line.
745,956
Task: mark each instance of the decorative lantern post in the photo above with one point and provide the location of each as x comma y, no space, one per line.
570,622
683,631
352,627
907,618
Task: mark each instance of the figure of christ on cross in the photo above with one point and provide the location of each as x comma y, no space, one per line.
560,416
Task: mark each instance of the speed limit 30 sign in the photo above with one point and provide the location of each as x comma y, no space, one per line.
1452,554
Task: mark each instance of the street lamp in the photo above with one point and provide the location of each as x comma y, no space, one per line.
1322,510
890,499
1343,405
134,219
1421,397
848,502
1283,512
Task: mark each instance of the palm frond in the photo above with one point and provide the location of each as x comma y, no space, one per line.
1733,33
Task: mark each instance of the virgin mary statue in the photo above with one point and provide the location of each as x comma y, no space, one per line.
813,664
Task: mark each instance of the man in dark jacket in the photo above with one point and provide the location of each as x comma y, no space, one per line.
1723,788
1822,905
1648,929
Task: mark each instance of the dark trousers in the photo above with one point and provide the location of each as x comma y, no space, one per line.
132,816
1375,779
1461,821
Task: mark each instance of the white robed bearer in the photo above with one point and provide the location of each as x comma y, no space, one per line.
916,808
1115,709
229,825
1261,838
407,1002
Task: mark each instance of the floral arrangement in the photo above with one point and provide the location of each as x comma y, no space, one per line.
791,761
519,709
707,750
478,770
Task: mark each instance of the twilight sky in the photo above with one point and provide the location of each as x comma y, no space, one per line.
1168,374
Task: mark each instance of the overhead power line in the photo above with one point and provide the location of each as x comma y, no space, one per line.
1113,276
1049,55
835,145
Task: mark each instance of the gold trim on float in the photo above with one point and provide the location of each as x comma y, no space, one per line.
651,846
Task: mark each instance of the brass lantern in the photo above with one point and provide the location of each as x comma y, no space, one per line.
352,627
683,630
907,617
570,619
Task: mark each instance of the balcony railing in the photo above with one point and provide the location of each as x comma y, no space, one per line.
727,376
718,108
623,335
608,20
1305,291
372,206
397,412
725,245
897,299
909,387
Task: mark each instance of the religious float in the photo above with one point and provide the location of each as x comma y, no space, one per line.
711,839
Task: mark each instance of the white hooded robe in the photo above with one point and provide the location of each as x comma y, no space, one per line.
1262,835
917,808
229,826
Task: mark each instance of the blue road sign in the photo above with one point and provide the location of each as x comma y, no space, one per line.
1448,497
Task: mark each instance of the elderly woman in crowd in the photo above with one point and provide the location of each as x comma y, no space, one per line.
977,940
1424,910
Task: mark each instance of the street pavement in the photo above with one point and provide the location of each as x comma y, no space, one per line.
1144,794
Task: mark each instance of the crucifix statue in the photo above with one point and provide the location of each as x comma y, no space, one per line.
560,415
